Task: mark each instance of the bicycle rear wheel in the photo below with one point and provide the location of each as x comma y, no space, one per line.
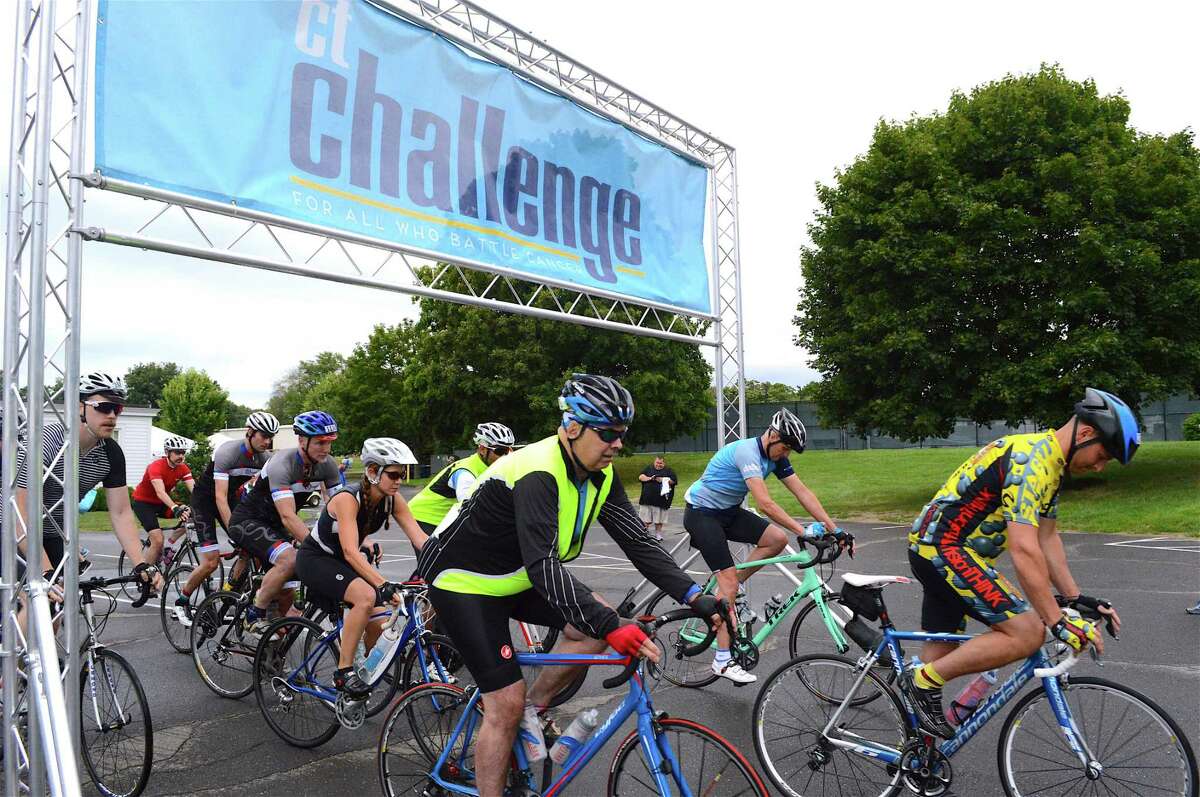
672,639
809,633
178,633
123,569
794,707
708,764
416,730
118,749
1140,748
224,658
443,664
296,658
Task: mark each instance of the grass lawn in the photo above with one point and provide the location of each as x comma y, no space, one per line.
1158,494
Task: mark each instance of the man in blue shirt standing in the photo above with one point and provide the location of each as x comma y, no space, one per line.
713,514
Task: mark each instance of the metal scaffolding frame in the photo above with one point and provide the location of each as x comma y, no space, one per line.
46,230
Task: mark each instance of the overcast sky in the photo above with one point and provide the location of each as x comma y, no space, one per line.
796,92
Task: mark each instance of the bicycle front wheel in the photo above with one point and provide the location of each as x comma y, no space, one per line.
224,658
673,639
1141,750
791,713
296,660
708,764
177,631
115,732
418,728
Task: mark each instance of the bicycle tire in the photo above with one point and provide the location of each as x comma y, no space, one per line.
179,635
448,657
224,659
817,633
414,733
710,778
1163,742
286,652
127,701
786,746
674,665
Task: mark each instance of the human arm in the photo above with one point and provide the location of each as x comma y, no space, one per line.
645,476
463,482
622,523
221,494
285,505
767,505
344,508
120,514
808,500
1060,573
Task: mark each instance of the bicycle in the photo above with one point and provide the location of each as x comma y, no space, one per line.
295,660
176,632
425,746
826,739
188,553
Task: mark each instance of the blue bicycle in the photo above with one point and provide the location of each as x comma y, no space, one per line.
296,658
826,725
427,743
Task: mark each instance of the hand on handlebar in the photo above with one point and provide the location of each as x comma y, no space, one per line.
149,573
1077,632
630,639
1094,609
714,609
182,512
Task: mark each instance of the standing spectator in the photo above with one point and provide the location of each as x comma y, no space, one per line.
343,467
658,490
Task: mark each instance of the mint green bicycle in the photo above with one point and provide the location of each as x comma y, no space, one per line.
823,618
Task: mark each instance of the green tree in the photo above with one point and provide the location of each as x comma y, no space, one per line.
289,393
235,414
991,261
197,460
145,382
769,392
193,405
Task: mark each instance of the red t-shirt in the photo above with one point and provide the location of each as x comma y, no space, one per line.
159,469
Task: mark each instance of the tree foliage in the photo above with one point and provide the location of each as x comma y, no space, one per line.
289,395
772,392
145,382
235,414
991,261
193,405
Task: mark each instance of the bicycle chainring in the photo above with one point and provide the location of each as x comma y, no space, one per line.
924,770
351,713
745,653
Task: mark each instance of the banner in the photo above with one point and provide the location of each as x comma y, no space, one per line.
336,113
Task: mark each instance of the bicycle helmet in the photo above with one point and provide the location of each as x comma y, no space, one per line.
494,435
314,423
263,422
1113,421
98,382
790,430
384,451
175,443
591,399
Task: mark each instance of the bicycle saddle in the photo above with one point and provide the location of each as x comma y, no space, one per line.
873,582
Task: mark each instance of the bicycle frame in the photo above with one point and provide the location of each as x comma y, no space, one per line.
637,701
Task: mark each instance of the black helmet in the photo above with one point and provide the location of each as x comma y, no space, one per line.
1114,422
601,400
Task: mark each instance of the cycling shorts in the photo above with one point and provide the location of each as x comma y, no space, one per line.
959,583
260,539
148,514
478,627
712,530
206,521
325,578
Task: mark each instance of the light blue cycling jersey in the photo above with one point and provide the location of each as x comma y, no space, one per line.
723,484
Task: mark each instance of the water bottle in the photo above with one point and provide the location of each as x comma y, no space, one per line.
381,655
576,734
962,706
773,606
531,736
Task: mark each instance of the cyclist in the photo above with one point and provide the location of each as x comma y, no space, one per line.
713,514
454,482
218,490
101,461
152,497
1006,497
266,521
335,567
502,556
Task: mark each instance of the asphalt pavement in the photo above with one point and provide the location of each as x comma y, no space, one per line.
206,745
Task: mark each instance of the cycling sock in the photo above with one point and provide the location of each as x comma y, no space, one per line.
253,613
927,678
722,656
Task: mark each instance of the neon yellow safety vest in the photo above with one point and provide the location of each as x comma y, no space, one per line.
435,501
578,505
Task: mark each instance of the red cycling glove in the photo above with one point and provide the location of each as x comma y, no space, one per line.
627,639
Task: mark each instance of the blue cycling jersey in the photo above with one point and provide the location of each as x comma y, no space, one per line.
723,484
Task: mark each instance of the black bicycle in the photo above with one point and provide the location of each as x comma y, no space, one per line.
188,553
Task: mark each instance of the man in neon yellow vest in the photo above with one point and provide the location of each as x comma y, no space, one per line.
455,482
502,556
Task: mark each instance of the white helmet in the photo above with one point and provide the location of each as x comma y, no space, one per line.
384,451
175,443
100,382
494,435
790,430
263,422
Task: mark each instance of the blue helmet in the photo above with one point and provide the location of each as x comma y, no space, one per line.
598,400
314,423
1113,420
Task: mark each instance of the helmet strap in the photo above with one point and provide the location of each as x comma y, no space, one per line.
83,420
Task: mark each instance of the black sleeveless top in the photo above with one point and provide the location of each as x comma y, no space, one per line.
324,537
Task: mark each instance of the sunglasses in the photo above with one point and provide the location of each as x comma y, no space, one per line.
106,407
609,435
394,475
501,451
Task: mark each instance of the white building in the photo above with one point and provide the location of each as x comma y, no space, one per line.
134,433
284,438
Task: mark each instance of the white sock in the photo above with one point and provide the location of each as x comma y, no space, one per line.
722,657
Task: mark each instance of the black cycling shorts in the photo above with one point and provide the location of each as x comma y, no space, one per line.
950,597
264,541
148,514
206,520
712,530
478,626
325,579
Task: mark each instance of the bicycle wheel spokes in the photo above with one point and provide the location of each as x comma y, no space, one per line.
1140,749
416,730
222,653
708,764
294,664
116,735
674,665
179,633
791,712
